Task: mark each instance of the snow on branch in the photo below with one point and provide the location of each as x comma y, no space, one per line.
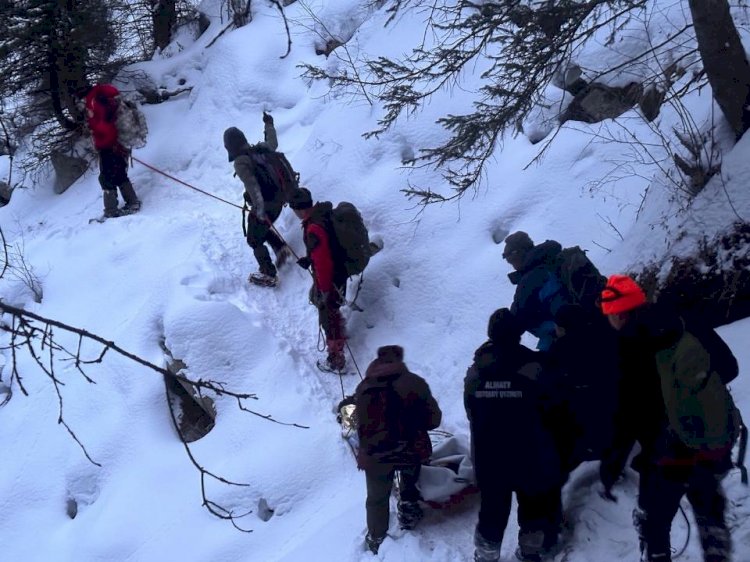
37,336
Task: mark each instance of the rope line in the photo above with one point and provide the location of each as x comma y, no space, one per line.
178,180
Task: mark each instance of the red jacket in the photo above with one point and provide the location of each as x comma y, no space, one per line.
101,113
319,250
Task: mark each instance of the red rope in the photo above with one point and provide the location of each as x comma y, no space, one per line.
166,175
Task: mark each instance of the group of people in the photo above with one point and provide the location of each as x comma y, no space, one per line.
265,201
607,373
264,198
610,370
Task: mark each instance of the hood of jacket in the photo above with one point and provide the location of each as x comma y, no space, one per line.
543,254
389,363
235,143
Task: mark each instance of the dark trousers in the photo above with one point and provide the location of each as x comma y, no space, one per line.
329,311
113,169
379,485
539,516
660,492
258,233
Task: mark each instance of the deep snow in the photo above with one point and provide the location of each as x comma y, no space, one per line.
178,270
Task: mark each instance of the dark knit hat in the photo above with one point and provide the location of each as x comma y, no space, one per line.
301,199
517,243
234,142
621,294
503,326
391,353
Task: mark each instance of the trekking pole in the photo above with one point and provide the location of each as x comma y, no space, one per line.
166,175
276,231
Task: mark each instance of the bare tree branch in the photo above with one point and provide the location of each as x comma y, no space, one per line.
36,335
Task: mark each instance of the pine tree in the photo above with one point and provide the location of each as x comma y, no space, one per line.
48,50
520,48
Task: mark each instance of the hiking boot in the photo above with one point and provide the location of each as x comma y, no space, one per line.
283,256
263,280
373,543
112,213
336,361
109,197
485,550
530,546
527,557
409,515
132,207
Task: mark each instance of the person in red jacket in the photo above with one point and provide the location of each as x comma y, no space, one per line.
101,114
328,292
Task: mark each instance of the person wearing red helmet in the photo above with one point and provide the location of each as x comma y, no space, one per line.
101,114
685,442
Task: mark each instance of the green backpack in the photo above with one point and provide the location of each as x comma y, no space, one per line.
698,404
350,237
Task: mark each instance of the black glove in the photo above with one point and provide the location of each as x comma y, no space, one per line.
267,118
304,262
247,199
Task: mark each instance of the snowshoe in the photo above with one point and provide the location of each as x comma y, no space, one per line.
263,280
326,367
108,215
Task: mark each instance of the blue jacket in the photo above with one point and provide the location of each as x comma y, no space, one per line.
539,292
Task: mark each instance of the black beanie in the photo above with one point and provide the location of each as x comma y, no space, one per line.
518,242
234,142
391,353
503,326
300,199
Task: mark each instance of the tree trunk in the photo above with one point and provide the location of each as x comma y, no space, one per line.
164,18
723,60
64,61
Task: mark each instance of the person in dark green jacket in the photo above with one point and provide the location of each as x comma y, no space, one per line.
265,203
654,364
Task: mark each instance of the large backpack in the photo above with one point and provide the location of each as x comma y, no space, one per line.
698,404
351,242
274,173
132,129
579,277
380,423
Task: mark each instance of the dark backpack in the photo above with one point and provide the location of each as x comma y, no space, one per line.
380,422
274,173
350,242
579,277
